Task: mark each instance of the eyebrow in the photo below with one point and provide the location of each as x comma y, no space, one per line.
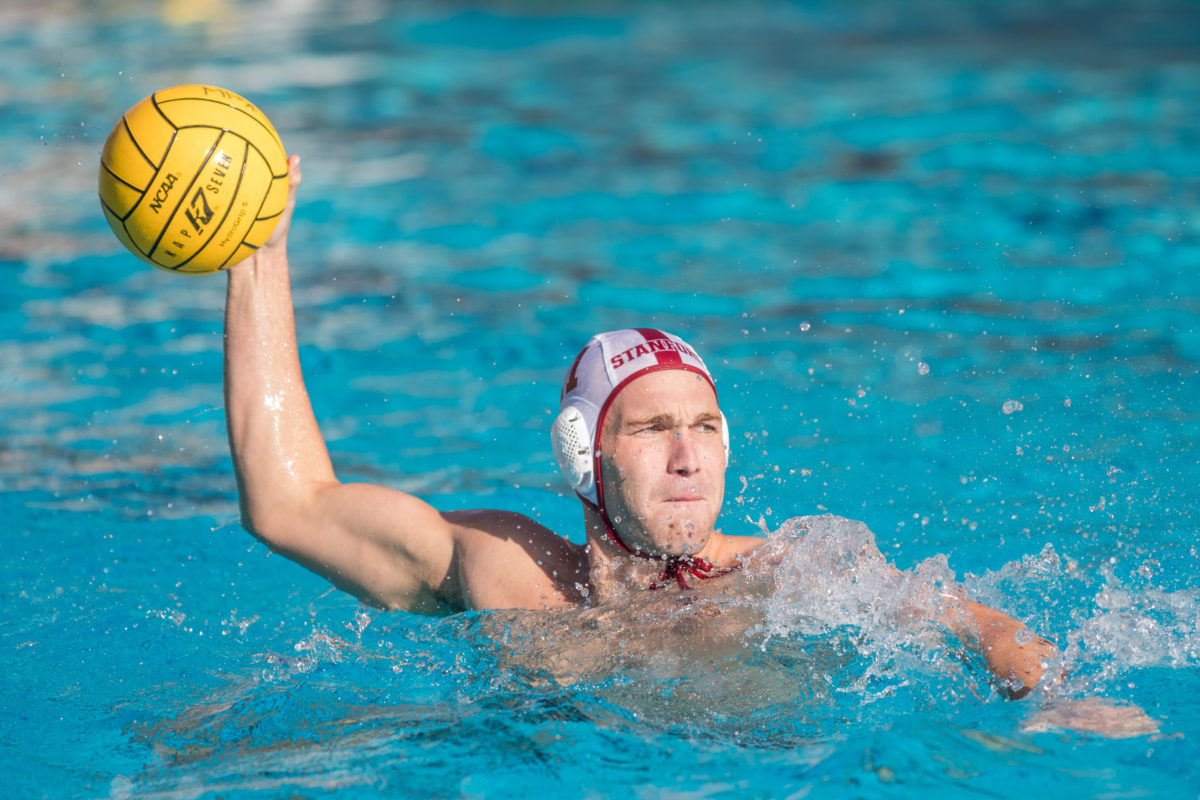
666,419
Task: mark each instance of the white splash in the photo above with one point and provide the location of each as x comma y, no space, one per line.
831,584
1148,627
829,573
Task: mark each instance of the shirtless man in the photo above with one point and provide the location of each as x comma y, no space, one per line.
640,437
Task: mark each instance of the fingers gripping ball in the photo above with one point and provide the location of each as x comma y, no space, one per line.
193,179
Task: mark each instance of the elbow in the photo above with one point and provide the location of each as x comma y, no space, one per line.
1035,658
263,527
1022,681
283,519
273,524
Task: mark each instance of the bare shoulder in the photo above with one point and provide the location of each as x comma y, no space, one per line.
503,559
730,550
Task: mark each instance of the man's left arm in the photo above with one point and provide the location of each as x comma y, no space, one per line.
1013,653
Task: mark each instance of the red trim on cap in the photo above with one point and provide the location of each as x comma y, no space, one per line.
596,454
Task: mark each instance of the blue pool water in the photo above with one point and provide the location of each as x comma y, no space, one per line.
942,257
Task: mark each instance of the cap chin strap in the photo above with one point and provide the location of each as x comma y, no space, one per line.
676,568
572,441
578,469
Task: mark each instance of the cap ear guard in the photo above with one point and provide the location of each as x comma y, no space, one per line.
572,443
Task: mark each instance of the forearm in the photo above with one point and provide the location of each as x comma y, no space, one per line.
386,547
278,452
1013,653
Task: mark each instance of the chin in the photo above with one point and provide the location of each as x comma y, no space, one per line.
665,541
683,543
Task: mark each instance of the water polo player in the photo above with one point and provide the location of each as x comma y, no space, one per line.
640,437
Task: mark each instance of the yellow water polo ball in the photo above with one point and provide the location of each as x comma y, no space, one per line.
193,179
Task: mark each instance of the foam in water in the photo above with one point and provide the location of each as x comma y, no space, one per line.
1108,620
816,625
785,654
1145,628
827,578
829,573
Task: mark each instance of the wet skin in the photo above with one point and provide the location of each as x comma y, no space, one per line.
663,463
662,467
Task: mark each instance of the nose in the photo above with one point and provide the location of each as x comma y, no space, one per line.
685,456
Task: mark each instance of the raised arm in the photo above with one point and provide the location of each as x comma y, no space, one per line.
384,546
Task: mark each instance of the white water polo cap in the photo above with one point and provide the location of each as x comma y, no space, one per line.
606,365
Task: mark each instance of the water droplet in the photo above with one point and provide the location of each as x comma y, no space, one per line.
120,788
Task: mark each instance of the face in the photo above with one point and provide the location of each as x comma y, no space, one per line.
663,462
